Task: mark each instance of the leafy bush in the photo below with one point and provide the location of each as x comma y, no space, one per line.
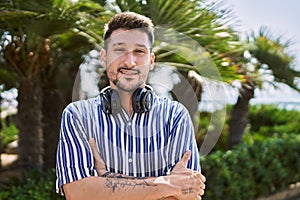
8,132
252,170
36,186
266,162
267,120
211,122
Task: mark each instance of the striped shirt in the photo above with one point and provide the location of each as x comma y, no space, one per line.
140,145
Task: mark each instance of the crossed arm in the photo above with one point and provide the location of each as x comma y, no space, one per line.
182,183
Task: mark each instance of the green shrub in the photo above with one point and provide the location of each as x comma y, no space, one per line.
266,162
268,120
211,122
252,170
265,121
36,186
8,133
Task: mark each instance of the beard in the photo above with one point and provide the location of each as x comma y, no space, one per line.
127,84
126,87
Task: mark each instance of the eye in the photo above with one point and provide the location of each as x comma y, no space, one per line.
119,50
140,51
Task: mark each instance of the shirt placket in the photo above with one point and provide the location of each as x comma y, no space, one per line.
129,142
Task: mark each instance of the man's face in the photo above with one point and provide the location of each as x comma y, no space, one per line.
128,59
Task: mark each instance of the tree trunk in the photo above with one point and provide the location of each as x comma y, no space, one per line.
239,115
58,88
29,123
52,108
188,91
1,148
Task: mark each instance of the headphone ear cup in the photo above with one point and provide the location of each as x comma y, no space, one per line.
136,97
115,102
142,100
105,102
147,100
110,101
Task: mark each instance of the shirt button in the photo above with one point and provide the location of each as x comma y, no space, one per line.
128,124
130,160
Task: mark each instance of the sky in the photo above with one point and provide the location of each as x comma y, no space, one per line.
281,18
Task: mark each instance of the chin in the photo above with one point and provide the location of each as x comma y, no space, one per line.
128,87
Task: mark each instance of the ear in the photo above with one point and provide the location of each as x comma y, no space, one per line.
103,58
152,60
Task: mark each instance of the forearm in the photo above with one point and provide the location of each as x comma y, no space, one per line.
97,188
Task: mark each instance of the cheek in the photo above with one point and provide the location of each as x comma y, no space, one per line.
111,67
145,73
114,60
112,74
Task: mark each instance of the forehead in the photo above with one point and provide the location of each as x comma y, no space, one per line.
129,37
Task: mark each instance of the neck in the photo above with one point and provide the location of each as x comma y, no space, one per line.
126,101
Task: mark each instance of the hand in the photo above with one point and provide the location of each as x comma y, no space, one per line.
191,183
99,163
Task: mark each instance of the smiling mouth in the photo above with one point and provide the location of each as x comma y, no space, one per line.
128,71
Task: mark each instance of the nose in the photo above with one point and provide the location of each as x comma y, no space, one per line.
130,60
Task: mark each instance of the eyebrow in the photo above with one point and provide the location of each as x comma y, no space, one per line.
118,44
122,43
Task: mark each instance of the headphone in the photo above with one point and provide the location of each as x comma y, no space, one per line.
141,100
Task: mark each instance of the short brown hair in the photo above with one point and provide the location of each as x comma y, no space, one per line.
127,21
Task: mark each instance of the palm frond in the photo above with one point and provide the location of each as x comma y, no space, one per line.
273,51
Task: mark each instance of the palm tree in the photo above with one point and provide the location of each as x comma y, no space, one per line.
273,55
274,52
35,34
38,45
190,36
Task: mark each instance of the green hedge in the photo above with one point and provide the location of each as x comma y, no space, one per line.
36,186
246,172
267,161
252,170
267,120
8,133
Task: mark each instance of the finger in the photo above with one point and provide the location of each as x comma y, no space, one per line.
181,165
98,160
200,176
201,193
201,185
185,158
203,179
199,180
94,147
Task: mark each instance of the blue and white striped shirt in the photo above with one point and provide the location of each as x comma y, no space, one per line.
140,145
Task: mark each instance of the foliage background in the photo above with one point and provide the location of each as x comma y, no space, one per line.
42,47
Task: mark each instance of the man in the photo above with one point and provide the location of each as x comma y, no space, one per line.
128,143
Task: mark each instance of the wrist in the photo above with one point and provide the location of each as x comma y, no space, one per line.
166,190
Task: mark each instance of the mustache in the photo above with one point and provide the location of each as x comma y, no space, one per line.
129,69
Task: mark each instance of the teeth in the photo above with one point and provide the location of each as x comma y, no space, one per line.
125,71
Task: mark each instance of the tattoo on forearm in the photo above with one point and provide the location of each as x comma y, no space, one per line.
122,176
115,181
